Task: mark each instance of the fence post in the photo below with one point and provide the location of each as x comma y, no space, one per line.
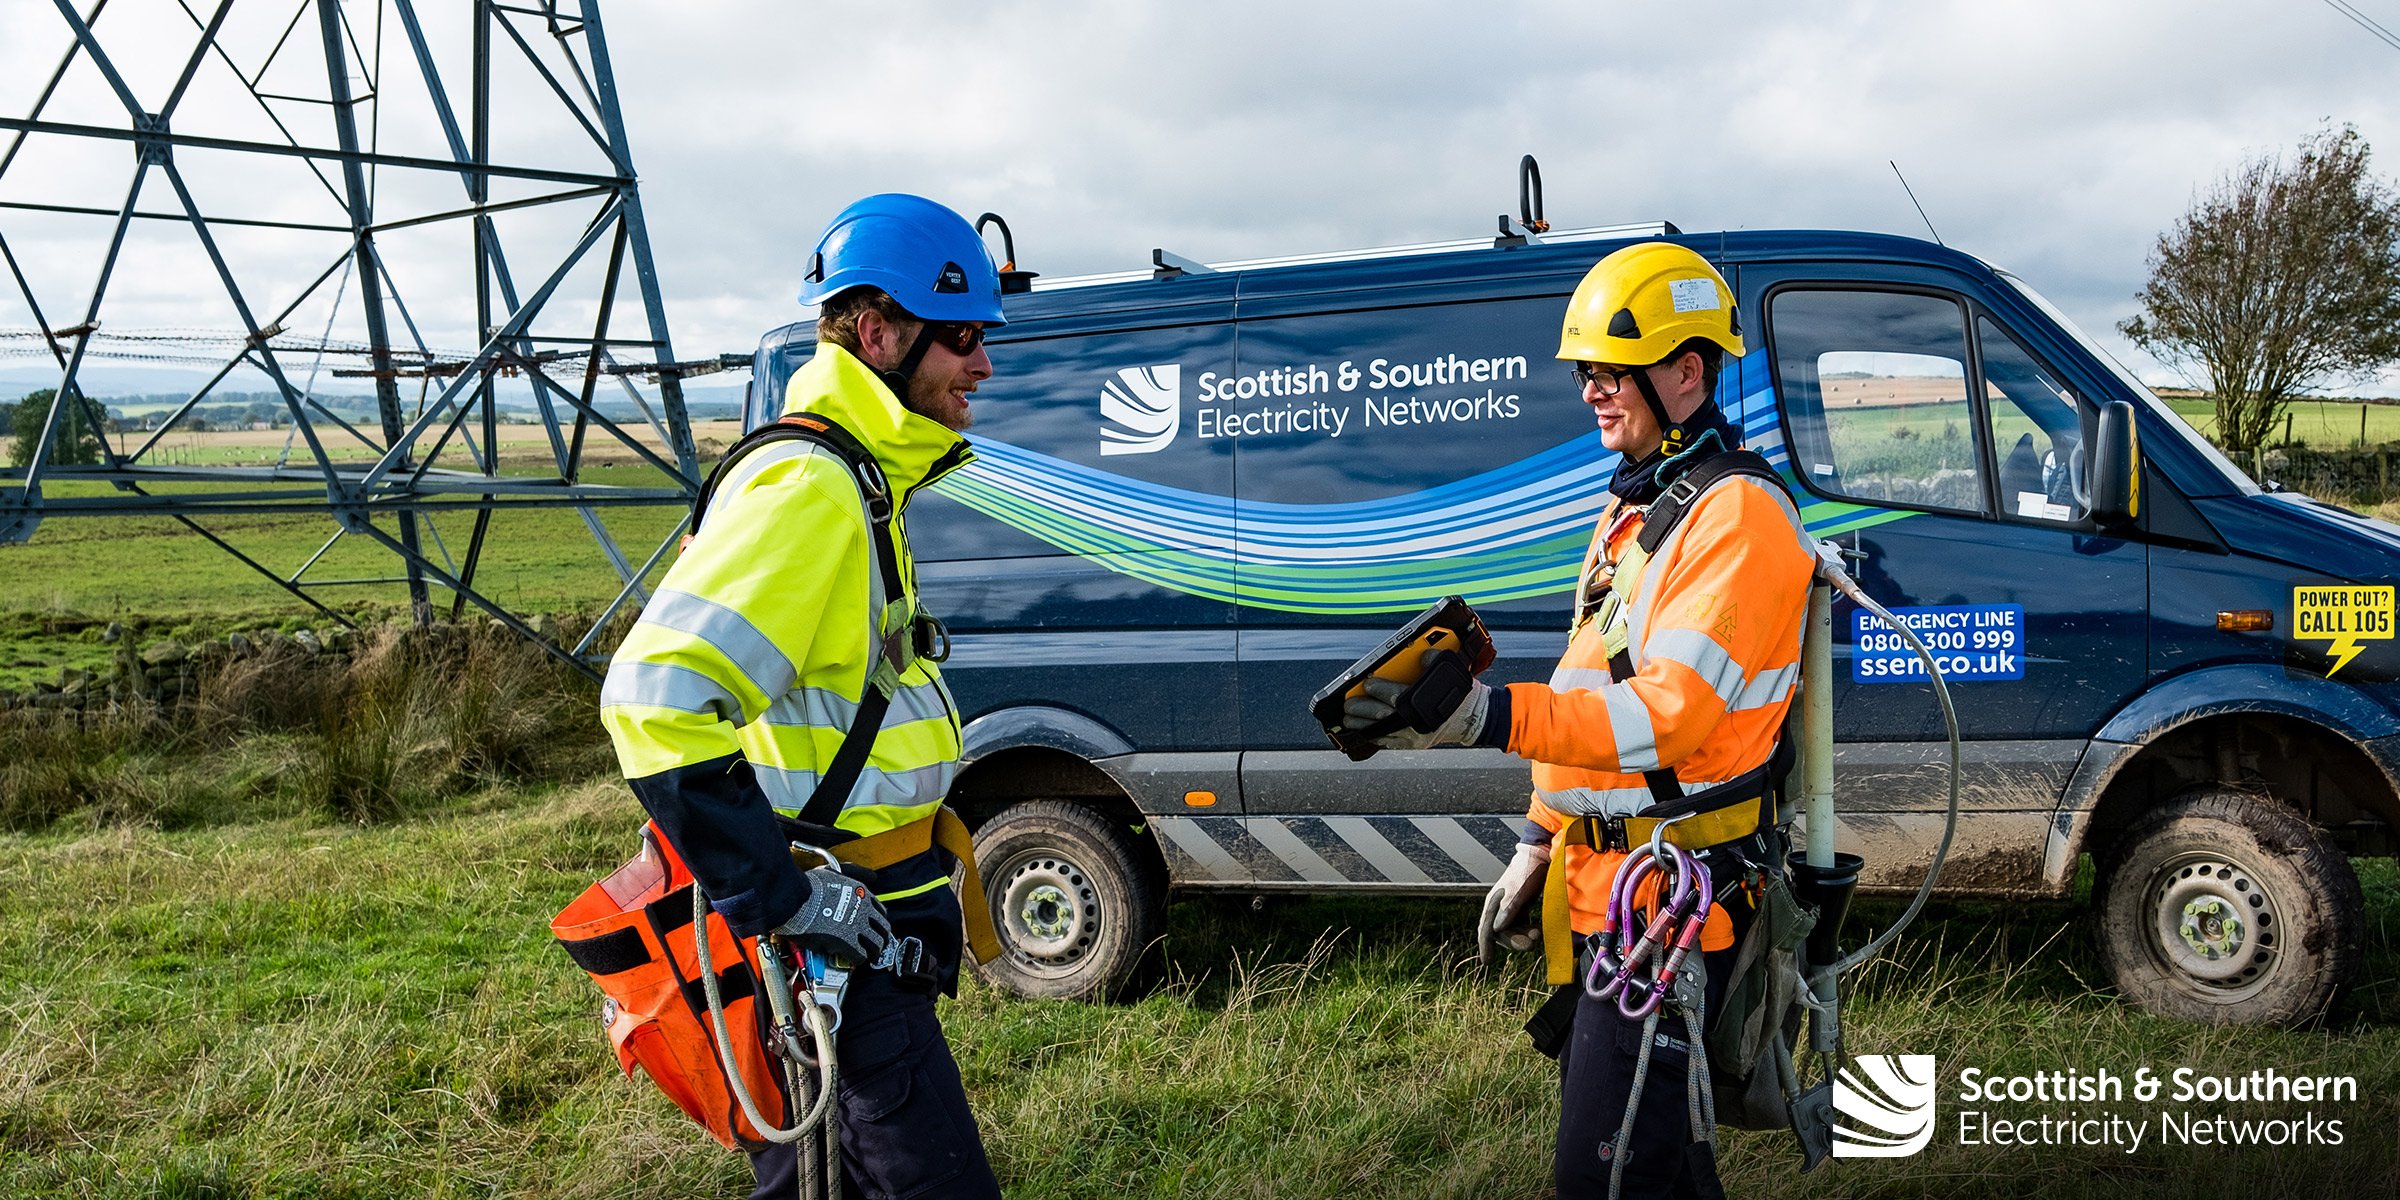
2383,471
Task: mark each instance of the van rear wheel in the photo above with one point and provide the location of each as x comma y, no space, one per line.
2228,908
1073,901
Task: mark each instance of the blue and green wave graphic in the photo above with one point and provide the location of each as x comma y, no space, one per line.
1511,533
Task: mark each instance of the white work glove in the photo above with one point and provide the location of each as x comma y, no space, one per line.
1383,699
1512,914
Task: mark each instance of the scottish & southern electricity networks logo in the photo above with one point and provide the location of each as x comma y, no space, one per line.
1141,409
1886,1104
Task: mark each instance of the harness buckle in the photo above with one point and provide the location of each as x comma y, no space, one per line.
1606,833
873,490
1679,493
930,638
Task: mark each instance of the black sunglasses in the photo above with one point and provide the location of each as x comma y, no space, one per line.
958,337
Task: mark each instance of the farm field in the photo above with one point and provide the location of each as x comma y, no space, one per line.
2318,424
301,1009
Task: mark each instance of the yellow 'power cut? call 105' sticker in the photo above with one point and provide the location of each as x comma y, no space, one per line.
2344,616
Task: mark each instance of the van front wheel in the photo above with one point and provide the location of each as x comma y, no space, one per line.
2228,908
1073,901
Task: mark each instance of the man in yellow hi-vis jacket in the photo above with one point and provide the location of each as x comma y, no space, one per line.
789,623
1681,663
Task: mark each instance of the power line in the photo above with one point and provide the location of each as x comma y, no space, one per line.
2365,22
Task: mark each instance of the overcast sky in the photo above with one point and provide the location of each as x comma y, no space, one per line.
2056,139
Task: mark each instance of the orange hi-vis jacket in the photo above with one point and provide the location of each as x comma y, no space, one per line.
1712,627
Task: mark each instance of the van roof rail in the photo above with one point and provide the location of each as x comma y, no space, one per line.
1168,266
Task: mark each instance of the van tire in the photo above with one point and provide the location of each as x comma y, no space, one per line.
1072,898
2228,908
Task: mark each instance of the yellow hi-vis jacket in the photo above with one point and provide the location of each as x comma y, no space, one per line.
748,665
1712,624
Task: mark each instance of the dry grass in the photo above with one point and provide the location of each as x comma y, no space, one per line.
409,722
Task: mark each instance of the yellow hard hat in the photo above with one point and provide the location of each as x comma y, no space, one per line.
1635,306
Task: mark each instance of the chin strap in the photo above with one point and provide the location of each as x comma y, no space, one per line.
1677,437
897,378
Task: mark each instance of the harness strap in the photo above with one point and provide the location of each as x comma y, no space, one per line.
1728,812
944,829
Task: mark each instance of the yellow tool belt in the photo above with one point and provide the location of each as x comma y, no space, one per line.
1726,813
942,829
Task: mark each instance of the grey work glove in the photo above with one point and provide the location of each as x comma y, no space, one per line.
1386,699
840,918
1512,911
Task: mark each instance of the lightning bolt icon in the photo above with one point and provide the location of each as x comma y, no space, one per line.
2343,650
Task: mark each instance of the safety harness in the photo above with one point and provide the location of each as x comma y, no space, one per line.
904,634
1642,961
1728,812
680,989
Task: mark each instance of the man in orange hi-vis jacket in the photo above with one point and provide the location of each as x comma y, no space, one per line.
1684,656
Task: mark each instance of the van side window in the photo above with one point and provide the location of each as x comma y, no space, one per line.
2038,431
1874,389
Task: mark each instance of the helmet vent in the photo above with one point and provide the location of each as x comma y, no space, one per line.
953,279
1622,325
816,267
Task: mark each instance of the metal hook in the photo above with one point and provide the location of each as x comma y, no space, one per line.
1529,196
1012,280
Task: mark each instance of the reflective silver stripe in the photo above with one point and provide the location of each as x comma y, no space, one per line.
1638,610
758,460
1608,802
1567,679
1710,661
811,708
1459,844
788,790
1286,845
1629,722
1596,802
665,685
1769,687
730,633
824,708
1379,853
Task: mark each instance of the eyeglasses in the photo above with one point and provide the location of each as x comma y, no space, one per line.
958,337
1609,380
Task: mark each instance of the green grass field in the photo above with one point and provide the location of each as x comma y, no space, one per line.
2322,424
301,1009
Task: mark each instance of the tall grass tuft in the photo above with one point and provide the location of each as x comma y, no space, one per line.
408,722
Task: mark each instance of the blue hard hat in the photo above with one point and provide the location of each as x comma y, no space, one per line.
923,255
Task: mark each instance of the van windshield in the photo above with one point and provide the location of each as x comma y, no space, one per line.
2173,423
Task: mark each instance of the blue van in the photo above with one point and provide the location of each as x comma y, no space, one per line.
1201,491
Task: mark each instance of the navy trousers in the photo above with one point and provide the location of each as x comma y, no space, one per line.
1666,1156
906,1132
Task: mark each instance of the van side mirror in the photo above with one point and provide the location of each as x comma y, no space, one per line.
2116,472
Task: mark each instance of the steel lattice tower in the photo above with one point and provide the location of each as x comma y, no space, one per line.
316,71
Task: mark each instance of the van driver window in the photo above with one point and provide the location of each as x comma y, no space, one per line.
2038,431
1874,388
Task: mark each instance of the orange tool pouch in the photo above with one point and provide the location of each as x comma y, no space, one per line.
632,932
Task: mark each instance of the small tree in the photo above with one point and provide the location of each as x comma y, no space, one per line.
76,444
2284,273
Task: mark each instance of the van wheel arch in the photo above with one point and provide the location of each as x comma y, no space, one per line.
2318,773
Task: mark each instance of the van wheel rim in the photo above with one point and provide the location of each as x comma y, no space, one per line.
2214,924
1050,910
